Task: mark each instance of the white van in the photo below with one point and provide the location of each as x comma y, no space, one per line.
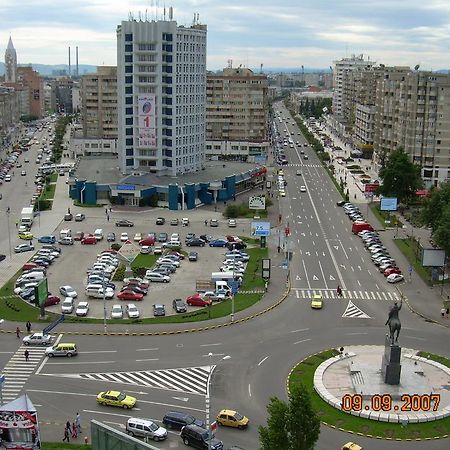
66,232
98,234
95,291
145,428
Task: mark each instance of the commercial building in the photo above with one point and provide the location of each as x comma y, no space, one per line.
161,85
236,115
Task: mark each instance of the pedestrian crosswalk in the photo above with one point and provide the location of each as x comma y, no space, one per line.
17,371
353,311
347,294
193,380
303,165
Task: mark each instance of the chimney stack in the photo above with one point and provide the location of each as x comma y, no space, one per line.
76,61
70,69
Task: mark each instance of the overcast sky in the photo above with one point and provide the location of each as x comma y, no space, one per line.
282,33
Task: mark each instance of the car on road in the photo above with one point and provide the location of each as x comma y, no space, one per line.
82,309
160,221
68,305
231,418
68,217
351,446
52,300
38,339
79,235
79,217
214,223
67,240
198,300
195,242
395,278
302,188
116,398
68,291
89,239
61,349
25,235
316,301
174,222
128,294
198,437
23,173
232,223
117,312
132,311
159,310
218,243
124,223
49,239
193,256
29,247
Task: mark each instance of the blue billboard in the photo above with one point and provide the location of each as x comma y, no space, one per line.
388,204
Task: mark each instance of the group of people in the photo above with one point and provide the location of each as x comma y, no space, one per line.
445,312
72,430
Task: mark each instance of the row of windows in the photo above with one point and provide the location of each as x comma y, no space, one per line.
190,47
188,140
192,89
197,78
191,68
194,58
189,109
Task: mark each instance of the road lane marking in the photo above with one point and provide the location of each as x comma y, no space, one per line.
262,360
304,340
78,362
145,349
148,359
354,334
210,345
298,331
323,275
213,354
101,351
249,391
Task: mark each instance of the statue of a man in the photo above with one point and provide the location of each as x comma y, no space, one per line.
394,321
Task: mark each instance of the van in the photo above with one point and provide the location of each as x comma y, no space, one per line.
357,227
98,234
177,420
96,291
225,276
145,428
198,437
66,232
61,349
32,276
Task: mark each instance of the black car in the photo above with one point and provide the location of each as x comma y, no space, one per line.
135,288
40,262
193,256
2,257
195,242
179,305
162,237
111,237
124,223
160,221
159,310
240,245
177,420
206,237
198,437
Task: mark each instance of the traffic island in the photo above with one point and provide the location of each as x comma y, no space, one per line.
339,394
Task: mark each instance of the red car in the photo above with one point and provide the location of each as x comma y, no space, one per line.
233,239
52,300
198,300
147,241
392,270
30,266
89,240
78,236
110,251
130,295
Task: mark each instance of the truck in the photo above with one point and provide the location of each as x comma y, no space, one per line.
27,216
226,276
210,285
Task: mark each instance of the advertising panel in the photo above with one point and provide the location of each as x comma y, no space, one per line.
388,204
371,187
260,229
146,120
41,292
257,202
432,257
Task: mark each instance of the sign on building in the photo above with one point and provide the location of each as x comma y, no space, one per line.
146,120
257,202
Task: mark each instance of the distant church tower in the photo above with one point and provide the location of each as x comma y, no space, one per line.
10,63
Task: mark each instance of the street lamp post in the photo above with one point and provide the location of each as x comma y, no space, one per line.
208,397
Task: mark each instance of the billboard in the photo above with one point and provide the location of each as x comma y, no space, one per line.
260,229
41,292
388,204
257,202
432,257
371,187
146,120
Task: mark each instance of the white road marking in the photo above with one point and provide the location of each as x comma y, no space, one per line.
323,275
300,330
262,360
414,337
148,359
210,345
249,391
306,273
355,334
145,349
214,354
304,340
78,362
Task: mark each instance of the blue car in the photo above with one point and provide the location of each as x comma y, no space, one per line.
218,243
47,239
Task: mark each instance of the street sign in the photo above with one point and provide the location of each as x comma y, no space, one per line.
260,229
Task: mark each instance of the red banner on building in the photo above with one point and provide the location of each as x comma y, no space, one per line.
371,187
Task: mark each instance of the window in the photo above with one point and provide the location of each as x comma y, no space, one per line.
128,100
129,131
128,58
128,69
128,89
129,121
129,141
129,162
128,47
129,152
128,79
128,37
128,110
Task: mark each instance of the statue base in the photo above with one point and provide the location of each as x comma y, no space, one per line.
390,366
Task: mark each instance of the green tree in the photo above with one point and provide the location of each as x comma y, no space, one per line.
400,177
291,426
434,205
442,234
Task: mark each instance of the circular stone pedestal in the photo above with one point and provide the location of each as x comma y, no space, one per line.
353,382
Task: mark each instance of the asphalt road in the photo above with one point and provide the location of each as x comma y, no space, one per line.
170,372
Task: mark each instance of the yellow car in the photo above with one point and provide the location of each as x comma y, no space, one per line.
116,398
230,418
26,235
316,301
351,446
282,193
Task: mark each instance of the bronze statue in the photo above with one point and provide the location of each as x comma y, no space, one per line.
394,321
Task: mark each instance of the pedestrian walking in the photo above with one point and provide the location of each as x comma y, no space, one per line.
339,291
66,435
106,210
266,286
107,217
443,311
447,311
17,223
27,355
28,325
78,422
110,209
68,210
74,431
18,332
206,223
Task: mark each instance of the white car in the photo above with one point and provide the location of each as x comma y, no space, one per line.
395,278
38,339
157,250
236,269
132,311
137,237
124,237
146,249
136,281
68,291
156,277
302,188
82,309
232,223
117,312
169,261
68,305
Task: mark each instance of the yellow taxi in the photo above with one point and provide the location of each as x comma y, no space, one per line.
230,418
26,235
116,398
280,172
282,193
316,301
351,446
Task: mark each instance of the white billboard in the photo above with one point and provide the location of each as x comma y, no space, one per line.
257,202
146,120
433,257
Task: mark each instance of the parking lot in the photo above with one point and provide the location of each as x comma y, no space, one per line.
70,268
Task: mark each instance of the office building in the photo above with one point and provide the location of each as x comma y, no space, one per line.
161,85
236,115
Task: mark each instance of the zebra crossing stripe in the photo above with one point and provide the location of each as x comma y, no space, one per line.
353,311
330,294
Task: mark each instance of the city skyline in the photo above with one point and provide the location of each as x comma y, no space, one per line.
250,33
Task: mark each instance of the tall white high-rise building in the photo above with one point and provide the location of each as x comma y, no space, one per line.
161,85
10,63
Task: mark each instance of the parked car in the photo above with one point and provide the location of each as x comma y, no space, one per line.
79,235
193,256
132,311
111,237
82,309
89,240
159,310
128,294
218,243
117,312
195,242
160,221
174,222
213,223
124,223
123,237
179,305
198,300
79,217
395,278
68,305
162,237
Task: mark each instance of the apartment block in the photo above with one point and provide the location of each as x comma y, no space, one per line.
9,108
99,103
161,83
34,85
236,115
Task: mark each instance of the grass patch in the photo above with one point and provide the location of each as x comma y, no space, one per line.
382,216
304,373
146,261
409,248
64,446
53,178
253,279
437,358
49,192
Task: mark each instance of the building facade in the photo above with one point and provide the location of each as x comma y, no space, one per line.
99,103
10,63
236,115
161,84
34,86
